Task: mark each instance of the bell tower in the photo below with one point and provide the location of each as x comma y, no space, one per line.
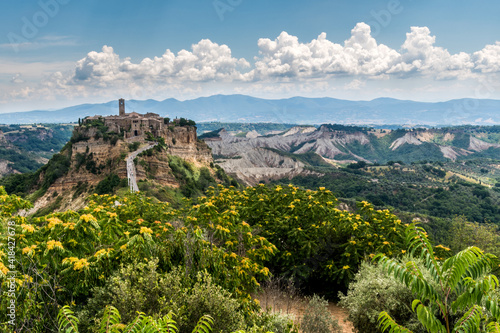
121,105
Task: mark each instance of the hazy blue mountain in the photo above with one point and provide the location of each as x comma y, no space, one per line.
299,110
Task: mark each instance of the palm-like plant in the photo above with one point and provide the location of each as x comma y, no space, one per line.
111,318
463,284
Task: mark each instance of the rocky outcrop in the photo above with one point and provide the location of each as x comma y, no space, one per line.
479,145
260,164
409,138
95,155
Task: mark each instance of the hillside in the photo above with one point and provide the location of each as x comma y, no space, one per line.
434,172
26,148
298,110
93,161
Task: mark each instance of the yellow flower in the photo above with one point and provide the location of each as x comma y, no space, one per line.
352,242
442,247
111,215
321,188
99,253
52,243
28,228
3,269
53,221
69,260
87,218
123,247
146,230
80,264
233,255
386,243
403,251
29,249
346,267
69,225
126,233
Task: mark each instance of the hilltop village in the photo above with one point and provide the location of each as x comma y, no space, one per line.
136,125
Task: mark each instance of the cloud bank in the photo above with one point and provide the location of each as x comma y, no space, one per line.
280,61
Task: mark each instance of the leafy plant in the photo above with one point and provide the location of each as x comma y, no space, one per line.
317,317
373,291
464,284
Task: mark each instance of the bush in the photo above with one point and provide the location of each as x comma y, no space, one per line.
277,322
140,287
134,146
108,184
208,298
317,318
373,291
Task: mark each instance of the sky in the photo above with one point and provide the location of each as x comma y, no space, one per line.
57,53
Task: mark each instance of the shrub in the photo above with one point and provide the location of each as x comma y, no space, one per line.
317,318
373,291
277,322
208,298
108,184
140,287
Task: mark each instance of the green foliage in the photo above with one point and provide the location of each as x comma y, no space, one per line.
134,146
317,317
463,284
261,128
416,188
373,291
193,181
268,321
464,234
318,244
108,184
20,162
111,323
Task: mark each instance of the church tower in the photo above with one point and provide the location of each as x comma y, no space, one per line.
121,104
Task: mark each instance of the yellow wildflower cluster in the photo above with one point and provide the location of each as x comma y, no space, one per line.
53,221
146,230
29,249
3,269
111,215
52,244
80,264
87,218
28,228
69,225
442,247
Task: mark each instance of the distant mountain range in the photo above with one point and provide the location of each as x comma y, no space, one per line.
298,110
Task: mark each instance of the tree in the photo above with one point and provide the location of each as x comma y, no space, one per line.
464,284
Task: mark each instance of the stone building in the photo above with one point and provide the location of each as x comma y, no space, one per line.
132,124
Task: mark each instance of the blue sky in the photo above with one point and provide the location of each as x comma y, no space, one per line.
56,53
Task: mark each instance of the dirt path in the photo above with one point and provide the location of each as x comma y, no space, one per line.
341,315
296,305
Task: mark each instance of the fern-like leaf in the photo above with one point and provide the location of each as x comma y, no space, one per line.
110,320
136,325
204,325
493,327
426,316
68,323
470,321
387,323
466,261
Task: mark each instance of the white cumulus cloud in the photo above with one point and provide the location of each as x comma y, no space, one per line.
283,65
